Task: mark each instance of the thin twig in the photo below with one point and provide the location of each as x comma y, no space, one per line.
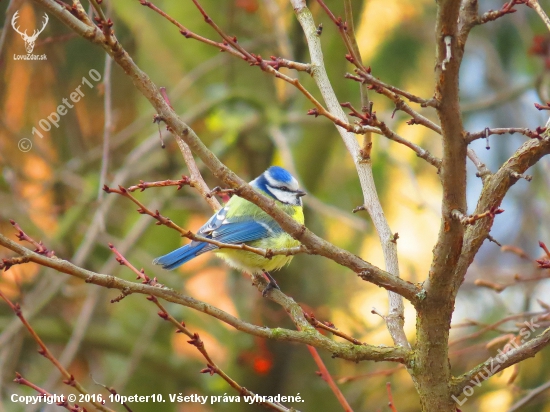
470,220
529,397
331,328
366,105
44,351
499,287
390,397
211,366
269,66
327,377
64,404
141,186
367,77
533,134
22,236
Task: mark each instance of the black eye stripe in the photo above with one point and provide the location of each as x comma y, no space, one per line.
282,188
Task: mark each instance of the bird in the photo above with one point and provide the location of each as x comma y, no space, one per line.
241,221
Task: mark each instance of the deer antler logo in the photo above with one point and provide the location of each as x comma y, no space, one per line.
29,40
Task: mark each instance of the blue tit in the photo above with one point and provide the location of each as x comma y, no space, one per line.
243,222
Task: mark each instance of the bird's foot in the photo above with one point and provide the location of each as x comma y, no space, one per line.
271,285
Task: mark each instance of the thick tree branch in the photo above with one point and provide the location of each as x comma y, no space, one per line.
453,171
432,372
494,190
308,335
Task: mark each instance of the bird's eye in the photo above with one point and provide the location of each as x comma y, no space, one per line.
284,188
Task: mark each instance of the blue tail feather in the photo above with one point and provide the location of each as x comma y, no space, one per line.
184,254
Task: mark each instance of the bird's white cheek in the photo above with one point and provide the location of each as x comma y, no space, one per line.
283,196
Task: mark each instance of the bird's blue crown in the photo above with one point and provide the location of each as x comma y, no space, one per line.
279,174
274,174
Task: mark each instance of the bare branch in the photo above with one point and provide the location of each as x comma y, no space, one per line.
395,319
307,335
331,328
368,78
327,377
44,351
64,404
184,181
533,134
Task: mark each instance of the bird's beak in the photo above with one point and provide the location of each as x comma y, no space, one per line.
300,193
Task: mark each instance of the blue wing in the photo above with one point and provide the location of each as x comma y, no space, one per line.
222,230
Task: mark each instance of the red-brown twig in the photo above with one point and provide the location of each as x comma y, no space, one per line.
326,376
220,191
63,403
161,220
390,397
544,263
492,15
44,351
543,247
331,328
353,56
539,263
371,120
146,280
184,181
40,248
104,24
367,77
400,104
231,45
470,220
6,264
211,367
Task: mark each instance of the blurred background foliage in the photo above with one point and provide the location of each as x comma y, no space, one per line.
251,120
